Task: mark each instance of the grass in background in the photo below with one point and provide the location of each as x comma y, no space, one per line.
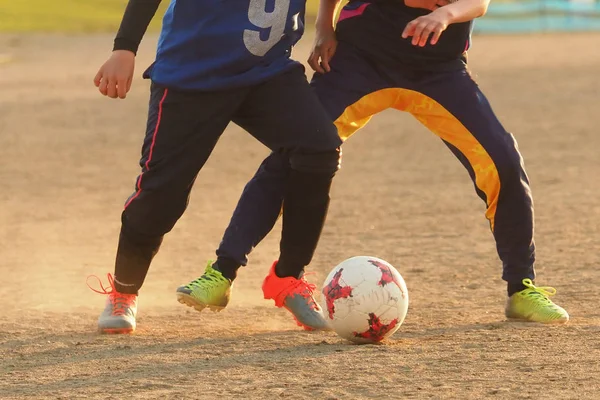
74,16
83,16
70,16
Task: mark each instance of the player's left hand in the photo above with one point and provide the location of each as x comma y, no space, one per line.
323,50
422,27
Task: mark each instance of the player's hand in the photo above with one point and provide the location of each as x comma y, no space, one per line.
427,4
115,76
422,27
323,50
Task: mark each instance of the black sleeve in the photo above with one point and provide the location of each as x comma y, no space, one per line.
136,19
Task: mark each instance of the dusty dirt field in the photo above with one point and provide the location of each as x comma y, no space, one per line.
69,160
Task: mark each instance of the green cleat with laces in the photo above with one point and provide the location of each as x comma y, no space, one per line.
533,304
211,290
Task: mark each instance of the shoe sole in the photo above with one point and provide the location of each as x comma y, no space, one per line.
553,322
309,328
194,303
305,327
116,331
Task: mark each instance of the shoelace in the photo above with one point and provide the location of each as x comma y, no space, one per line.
120,301
208,277
302,287
539,291
104,290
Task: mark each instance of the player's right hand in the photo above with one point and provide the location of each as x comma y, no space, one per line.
323,50
116,74
432,24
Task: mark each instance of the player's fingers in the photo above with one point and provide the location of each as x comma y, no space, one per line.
129,82
313,61
322,61
310,59
325,63
122,88
409,30
436,35
103,88
417,34
98,77
326,57
111,89
425,35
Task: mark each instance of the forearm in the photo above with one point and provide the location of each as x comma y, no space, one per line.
136,19
465,10
326,14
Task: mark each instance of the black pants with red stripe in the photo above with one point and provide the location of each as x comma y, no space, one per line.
183,128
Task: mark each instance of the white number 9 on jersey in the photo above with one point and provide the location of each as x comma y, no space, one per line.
275,20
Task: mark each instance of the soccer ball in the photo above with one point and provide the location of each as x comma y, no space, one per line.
364,299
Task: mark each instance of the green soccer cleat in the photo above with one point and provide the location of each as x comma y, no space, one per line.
211,290
532,304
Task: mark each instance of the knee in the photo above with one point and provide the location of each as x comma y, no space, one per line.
276,164
509,163
134,232
153,213
323,162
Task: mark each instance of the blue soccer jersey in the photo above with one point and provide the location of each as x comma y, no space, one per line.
222,44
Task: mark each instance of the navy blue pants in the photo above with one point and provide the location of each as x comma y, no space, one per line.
448,103
183,128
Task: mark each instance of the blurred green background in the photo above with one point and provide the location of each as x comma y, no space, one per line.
72,15
86,16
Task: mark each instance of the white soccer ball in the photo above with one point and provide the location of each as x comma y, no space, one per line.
365,299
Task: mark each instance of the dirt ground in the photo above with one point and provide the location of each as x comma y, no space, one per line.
69,160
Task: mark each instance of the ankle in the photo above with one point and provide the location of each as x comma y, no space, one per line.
515,287
288,270
126,288
227,267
